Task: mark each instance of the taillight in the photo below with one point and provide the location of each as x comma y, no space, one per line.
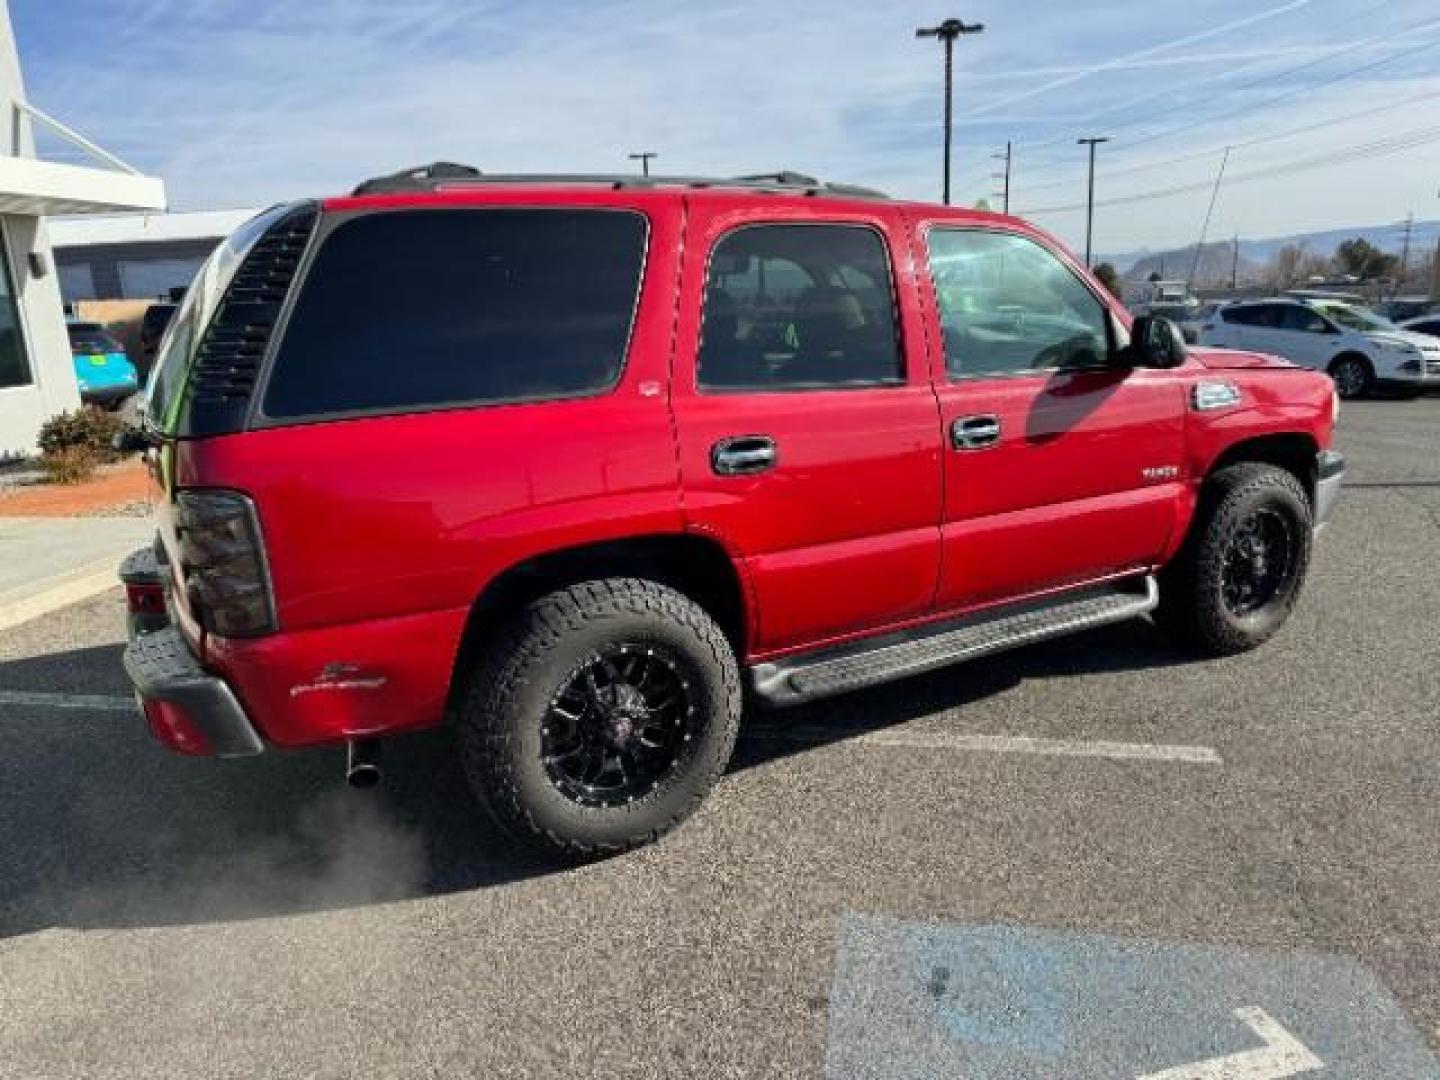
222,562
145,599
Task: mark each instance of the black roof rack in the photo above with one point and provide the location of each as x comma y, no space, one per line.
448,174
418,178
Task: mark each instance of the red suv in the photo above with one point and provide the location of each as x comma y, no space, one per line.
573,464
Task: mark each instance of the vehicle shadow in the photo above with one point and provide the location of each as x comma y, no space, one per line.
102,828
770,734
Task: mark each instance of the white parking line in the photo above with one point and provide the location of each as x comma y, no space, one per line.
93,702
1002,744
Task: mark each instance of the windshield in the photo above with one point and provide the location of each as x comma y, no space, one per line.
92,339
177,348
1354,318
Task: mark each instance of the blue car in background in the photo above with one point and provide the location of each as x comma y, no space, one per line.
104,373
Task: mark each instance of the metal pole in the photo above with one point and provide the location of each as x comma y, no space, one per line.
947,32
1008,155
949,107
1090,201
1405,253
644,158
1205,228
1235,264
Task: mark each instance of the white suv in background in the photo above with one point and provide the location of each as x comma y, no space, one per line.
1361,351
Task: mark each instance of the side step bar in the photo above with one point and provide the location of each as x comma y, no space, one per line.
898,656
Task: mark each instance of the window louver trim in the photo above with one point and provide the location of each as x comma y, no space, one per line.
227,363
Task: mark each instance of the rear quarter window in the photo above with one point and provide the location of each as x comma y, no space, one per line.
412,310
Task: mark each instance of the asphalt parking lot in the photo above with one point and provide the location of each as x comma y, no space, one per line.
1091,858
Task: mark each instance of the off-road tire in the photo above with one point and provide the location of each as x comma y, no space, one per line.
507,697
1192,603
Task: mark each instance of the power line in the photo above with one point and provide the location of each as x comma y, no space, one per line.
1411,29
1166,133
1378,148
1276,136
1154,50
1170,90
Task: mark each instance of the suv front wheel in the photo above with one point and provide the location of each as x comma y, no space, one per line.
1237,578
601,717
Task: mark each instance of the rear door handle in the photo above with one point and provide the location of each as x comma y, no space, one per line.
743,455
975,432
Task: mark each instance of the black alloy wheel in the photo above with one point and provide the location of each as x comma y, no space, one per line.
617,726
1258,562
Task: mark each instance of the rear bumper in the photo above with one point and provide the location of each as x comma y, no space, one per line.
1329,475
186,708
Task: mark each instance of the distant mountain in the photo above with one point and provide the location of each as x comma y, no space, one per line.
1215,263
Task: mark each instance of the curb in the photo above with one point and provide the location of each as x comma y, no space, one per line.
83,584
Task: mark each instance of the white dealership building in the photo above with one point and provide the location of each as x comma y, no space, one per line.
37,376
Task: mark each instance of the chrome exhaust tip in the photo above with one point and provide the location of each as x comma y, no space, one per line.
362,763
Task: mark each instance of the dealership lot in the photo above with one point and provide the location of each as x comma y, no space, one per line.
1093,857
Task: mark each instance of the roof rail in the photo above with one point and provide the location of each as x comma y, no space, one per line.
447,174
419,177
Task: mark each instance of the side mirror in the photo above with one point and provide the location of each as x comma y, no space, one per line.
1155,343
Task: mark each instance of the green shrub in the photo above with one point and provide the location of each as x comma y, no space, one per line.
68,464
90,428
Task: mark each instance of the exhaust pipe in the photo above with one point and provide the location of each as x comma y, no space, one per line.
362,763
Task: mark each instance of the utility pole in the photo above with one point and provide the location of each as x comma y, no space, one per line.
1235,264
1006,157
947,32
1090,203
644,157
1405,252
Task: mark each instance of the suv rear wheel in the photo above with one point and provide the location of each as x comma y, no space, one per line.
601,718
1239,574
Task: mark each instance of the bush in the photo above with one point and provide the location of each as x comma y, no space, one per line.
68,464
91,429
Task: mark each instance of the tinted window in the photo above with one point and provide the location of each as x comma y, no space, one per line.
799,306
1298,317
1432,328
14,365
91,338
1254,315
1007,306
426,308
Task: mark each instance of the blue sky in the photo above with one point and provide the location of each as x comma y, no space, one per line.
1333,106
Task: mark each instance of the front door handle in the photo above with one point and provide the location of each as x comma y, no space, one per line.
743,455
975,432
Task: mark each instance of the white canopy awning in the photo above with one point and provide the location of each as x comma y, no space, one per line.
44,188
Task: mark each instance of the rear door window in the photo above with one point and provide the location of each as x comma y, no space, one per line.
799,307
1301,318
412,310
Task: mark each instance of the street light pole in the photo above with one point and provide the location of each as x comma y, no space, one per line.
1090,202
947,32
644,158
